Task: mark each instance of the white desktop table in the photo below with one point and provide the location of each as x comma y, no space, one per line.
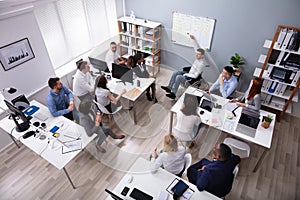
217,118
50,149
116,87
153,184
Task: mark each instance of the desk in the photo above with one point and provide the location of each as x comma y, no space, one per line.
217,119
116,87
52,151
153,184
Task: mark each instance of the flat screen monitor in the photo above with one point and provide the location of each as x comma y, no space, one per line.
15,114
99,64
21,102
122,72
249,119
113,195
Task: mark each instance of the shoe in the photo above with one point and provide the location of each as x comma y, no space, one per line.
171,95
166,88
192,145
155,100
149,98
120,137
100,148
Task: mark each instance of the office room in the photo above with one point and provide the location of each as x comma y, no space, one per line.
59,33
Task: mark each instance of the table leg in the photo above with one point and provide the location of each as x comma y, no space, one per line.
13,139
69,178
260,160
134,113
171,122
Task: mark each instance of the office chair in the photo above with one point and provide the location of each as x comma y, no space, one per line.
187,162
103,110
238,147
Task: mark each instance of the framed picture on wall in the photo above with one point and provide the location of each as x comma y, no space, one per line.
16,53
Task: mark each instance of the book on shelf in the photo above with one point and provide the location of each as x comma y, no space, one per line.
274,56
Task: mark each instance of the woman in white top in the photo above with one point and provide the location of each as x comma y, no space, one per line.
171,158
251,99
104,97
188,120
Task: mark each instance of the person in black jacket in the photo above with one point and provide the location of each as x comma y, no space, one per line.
141,72
215,176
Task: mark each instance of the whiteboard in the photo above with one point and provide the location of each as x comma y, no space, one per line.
201,27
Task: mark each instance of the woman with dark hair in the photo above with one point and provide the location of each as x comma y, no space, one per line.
104,97
251,99
130,63
92,124
188,120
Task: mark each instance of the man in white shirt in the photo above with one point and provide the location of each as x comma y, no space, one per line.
112,56
183,76
82,84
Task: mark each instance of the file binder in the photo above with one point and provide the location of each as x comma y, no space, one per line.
280,38
280,58
268,99
273,87
296,78
269,85
264,85
282,90
287,39
278,88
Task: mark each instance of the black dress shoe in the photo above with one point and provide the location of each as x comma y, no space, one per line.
166,88
155,100
149,97
171,95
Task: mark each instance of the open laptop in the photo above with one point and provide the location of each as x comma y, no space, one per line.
248,123
122,72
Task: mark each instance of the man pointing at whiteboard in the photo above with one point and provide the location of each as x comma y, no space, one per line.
183,76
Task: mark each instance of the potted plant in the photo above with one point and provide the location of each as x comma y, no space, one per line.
266,121
236,61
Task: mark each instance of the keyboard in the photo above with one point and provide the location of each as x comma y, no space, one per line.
140,195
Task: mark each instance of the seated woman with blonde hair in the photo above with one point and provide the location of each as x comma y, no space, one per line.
171,158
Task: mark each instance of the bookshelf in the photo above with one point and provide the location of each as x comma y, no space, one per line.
139,35
281,70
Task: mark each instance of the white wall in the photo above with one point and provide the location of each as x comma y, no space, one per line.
33,74
29,76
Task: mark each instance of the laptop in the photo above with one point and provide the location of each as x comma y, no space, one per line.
122,72
248,123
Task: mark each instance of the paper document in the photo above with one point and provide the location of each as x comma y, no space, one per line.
70,146
133,93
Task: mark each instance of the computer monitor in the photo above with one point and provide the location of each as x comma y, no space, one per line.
249,118
21,102
113,195
122,72
15,114
99,64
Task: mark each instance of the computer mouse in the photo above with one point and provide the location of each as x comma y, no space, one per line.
130,179
201,112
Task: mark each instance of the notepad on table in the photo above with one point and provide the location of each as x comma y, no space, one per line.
133,93
71,146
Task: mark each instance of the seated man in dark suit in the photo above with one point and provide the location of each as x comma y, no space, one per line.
215,176
141,71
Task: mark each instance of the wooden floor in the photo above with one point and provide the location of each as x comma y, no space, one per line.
25,175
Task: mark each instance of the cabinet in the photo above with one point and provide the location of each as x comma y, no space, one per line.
281,70
139,35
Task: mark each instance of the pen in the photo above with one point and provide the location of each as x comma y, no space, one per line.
71,137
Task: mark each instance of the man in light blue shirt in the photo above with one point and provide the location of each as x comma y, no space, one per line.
226,83
56,100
